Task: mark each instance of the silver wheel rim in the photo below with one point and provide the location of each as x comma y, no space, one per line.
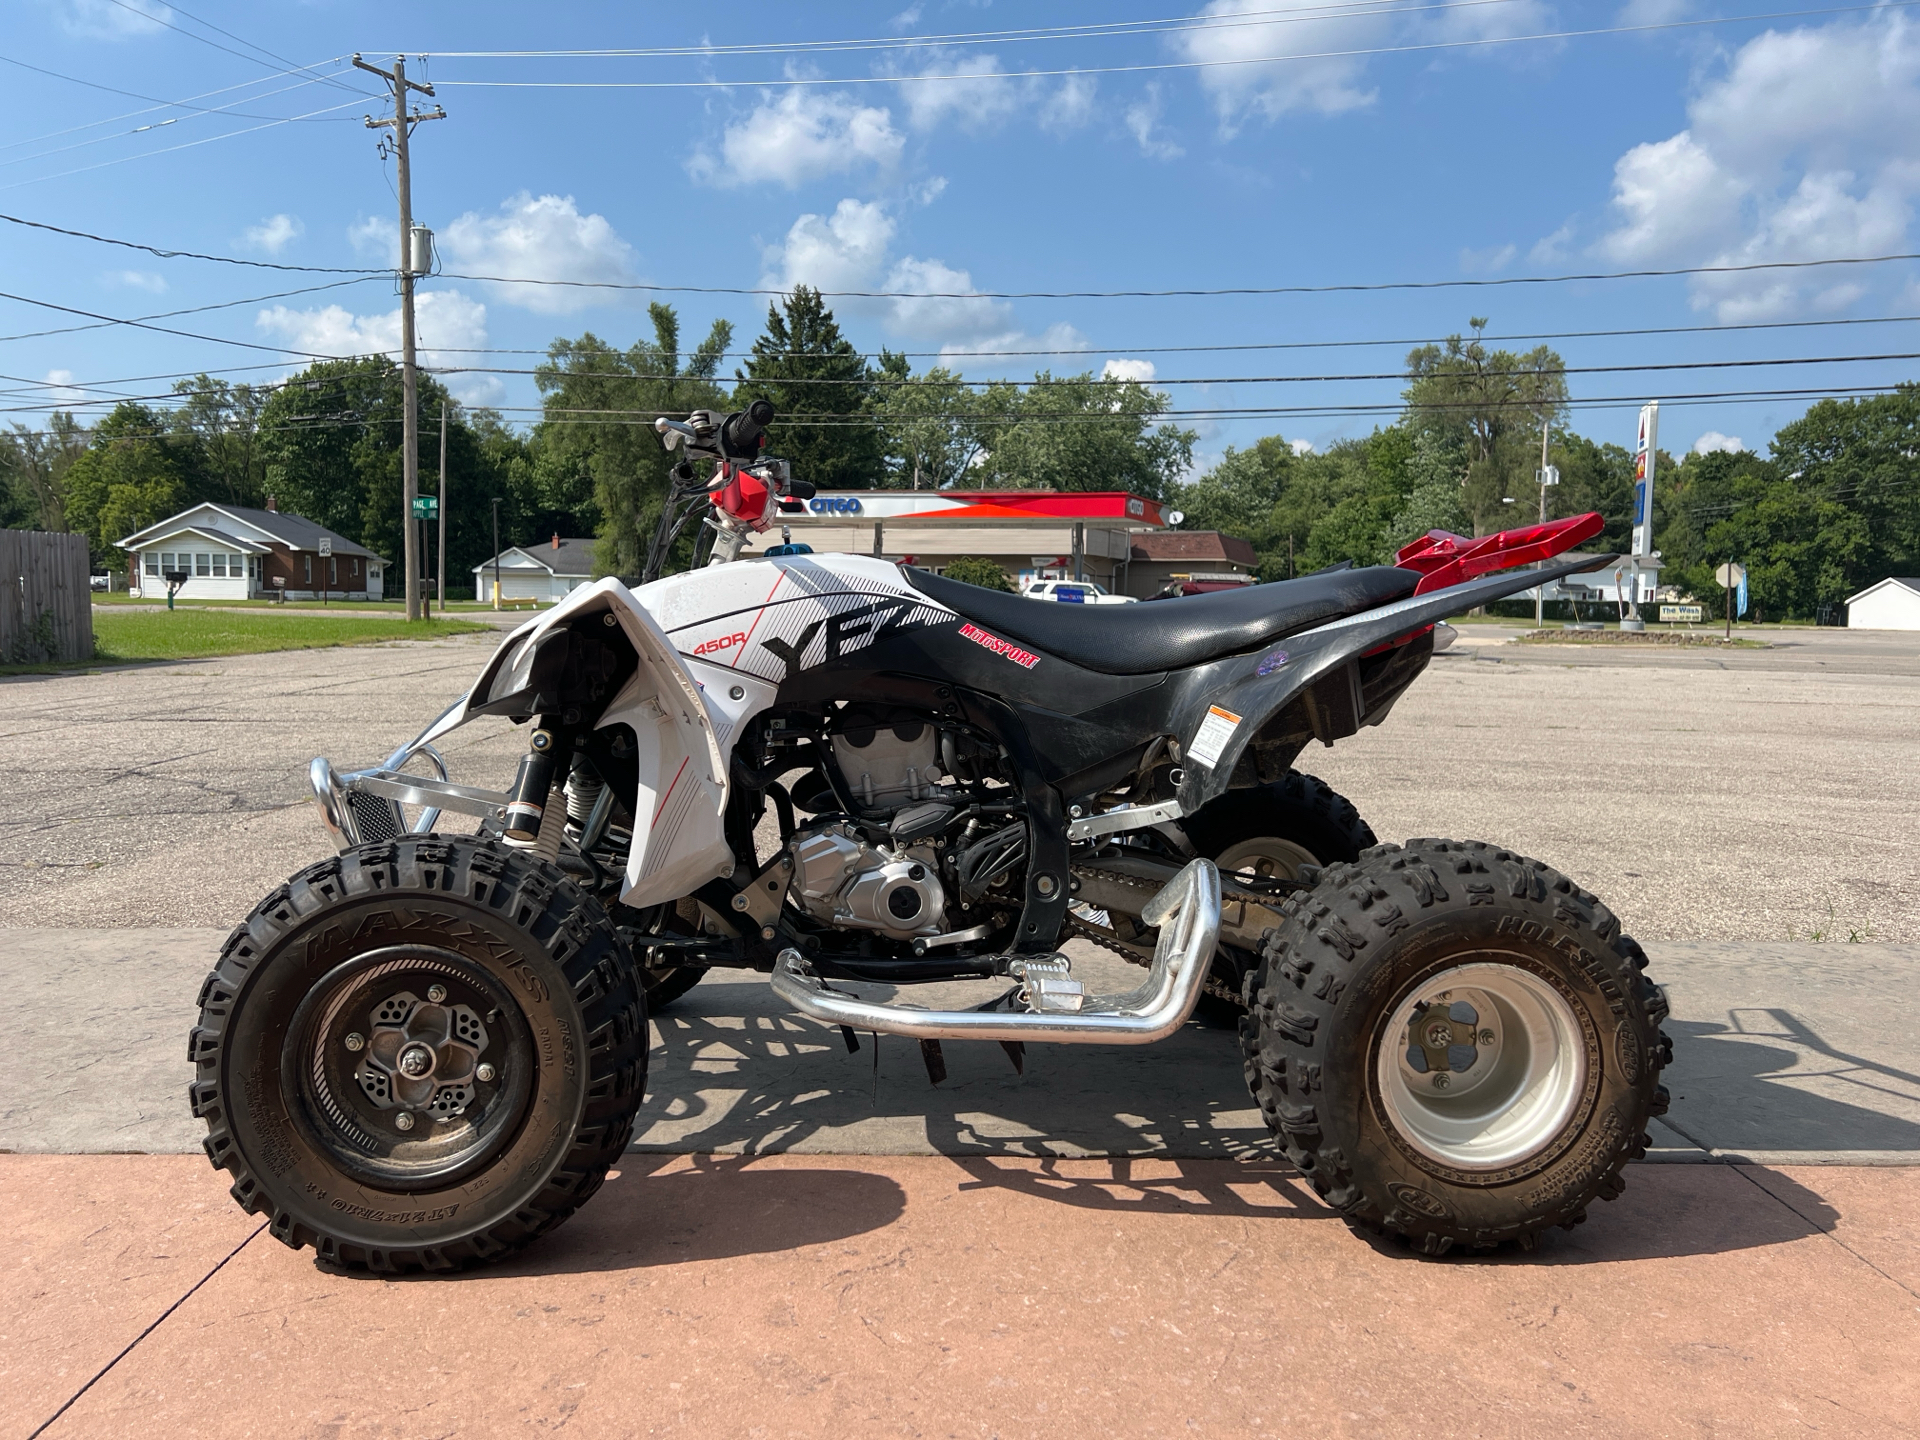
1267,856
1489,1091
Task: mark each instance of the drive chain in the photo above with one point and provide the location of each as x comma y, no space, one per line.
1107,940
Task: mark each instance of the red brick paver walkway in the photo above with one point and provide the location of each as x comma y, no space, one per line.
921,1296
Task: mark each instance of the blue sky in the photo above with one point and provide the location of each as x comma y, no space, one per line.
1140,161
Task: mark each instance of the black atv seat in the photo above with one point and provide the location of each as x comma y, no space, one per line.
1149,638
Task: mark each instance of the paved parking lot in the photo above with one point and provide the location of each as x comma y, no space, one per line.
1761,801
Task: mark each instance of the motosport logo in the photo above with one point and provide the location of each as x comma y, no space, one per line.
1000,647
834,505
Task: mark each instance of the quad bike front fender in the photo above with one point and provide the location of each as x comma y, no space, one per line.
1310,680
683,732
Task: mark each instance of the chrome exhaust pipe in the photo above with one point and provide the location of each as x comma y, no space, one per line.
1187,914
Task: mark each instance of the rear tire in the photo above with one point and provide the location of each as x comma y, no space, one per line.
1270,831
1409,1114
420,1054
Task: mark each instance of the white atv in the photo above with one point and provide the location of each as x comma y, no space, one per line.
428,1049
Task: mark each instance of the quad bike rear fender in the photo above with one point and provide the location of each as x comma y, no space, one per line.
1308,685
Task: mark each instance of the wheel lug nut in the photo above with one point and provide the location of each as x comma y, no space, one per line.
356,1041
403,1121
485,1073
1442,1080
1486,1037
436,993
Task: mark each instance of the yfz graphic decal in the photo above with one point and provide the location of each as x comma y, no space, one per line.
816,611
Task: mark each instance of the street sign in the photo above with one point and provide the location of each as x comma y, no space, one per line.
326,548
1730,576
1682,614
426,507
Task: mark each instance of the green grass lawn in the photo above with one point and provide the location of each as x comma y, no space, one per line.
387,607
192,634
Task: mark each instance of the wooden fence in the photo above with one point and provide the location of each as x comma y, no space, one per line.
46,603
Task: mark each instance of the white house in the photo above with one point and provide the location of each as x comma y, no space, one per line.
537,572
234,552
1893,604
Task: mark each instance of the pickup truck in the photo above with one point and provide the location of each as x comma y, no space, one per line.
1074,592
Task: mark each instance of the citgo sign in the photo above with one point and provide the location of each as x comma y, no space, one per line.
834,505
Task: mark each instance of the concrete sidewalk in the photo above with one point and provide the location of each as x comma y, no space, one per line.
1784,1054
928,1296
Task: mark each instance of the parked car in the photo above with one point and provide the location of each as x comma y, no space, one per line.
1074,592
101,582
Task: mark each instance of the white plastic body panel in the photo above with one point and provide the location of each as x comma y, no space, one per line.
701,636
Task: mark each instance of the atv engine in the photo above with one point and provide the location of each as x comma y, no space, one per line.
889,765
843,880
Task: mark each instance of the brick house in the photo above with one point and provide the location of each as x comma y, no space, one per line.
234,552
1205,557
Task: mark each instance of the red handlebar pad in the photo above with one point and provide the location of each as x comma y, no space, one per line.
744,497
1445,559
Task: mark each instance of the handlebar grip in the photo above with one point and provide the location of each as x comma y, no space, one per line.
745,429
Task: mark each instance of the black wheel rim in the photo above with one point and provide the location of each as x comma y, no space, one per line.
412,1066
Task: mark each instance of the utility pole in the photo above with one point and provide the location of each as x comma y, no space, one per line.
440,587
496,554
1540,591
402,125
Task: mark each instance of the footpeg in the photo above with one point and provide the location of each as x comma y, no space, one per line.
1186,913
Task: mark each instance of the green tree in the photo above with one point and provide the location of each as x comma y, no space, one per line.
820,387
1080,432
595,461
977,571
133,473
222,422
1491,405
929,425
1864,455
330,445
33,471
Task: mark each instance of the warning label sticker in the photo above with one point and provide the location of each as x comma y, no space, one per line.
1215,731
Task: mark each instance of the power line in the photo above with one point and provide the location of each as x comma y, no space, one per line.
886,382
1229,291
192,310
1223,291
165,330
193,254
185,145
155,102
1119,29
1167,65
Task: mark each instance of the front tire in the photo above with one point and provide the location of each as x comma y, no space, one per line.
1455,1044
420,1054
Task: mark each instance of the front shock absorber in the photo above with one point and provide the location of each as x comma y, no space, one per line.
532,792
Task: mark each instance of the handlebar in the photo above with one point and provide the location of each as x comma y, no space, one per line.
741,434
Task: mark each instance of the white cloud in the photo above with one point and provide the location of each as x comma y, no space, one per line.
447,324
375,235
800,135
1017,350
1488,261
1713,440
1071,105
846,250
103,20
927,191
1328,86
60,391
540,238
949,313
974,104
1551,249
1140,370
1805,147
276,232
1301,447
138,280
1143,122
